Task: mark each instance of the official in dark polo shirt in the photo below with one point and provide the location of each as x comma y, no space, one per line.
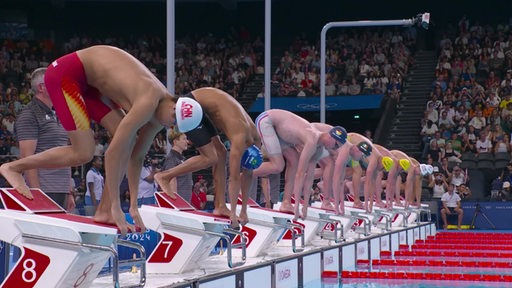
37,129
183,183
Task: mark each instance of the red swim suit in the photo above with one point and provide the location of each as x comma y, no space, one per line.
74,100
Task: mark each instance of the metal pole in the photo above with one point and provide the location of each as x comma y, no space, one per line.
403,22
171,74
170,45
268,18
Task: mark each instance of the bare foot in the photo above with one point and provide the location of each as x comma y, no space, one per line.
358,205
368,207
287,207
137,219
222,211
103,217
16,180
165,184
327,205
120,219
339,209
172,195
380,204
234,222
115,217
399,203
296,212
243,218
415,204
304,212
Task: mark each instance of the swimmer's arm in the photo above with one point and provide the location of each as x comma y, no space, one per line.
327,177
142,145
409,182
27,148
307,153
391,182
338,175
371,175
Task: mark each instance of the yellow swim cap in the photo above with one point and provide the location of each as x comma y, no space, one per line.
387,163
405,164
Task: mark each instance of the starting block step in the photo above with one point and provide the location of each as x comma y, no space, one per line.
58,249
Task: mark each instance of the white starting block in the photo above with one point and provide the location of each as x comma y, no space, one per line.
352,221
184,240
401,217
58,249
314,226
263,216
254,239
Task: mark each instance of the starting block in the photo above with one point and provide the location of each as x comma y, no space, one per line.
58,249
293,230
318,224
185,241
254,239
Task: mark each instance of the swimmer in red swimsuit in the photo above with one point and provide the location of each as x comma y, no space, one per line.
111,87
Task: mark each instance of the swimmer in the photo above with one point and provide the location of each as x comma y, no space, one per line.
201,115
111,87
283,135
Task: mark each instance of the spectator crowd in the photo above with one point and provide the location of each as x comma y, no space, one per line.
469,109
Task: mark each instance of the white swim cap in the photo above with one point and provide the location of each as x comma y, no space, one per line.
426,169
188,114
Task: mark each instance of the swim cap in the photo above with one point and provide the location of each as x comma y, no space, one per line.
252,158
339,134
365,147
188,114
405,164
430,169
387,163
424,169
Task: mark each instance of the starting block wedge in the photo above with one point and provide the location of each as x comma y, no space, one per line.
58,249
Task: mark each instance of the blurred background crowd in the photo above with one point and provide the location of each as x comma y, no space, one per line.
468,109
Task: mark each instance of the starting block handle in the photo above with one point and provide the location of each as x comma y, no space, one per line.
337,230
295,235
405,215
230,247
141,260
366,223
425,211
387,221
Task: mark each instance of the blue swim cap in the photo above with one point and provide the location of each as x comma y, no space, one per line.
252,158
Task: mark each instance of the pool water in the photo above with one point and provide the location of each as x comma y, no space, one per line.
446,260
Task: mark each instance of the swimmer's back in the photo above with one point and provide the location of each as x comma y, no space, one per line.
120,76
226,113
